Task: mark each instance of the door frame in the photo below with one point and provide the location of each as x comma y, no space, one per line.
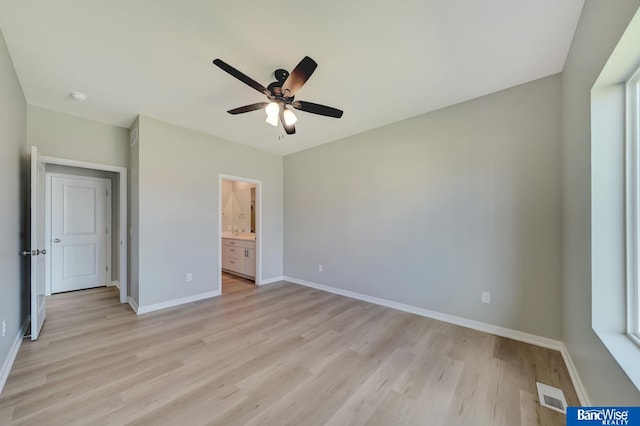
258,184
48,219
124,247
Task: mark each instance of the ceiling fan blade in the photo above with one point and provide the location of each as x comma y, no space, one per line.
248,108
298,76
317,109
241,76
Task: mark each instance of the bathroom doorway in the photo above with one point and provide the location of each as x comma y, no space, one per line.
240,233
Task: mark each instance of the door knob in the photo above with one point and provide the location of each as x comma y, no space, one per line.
26,253
57,240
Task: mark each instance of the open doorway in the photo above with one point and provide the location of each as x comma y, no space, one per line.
115,243
240,231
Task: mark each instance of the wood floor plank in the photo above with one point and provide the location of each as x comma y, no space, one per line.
322,395
364,402
396,409
529,409
275,355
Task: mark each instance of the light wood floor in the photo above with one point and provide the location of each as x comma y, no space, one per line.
275,355
233,284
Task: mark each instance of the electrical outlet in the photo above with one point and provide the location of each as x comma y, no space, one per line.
486,297
4,327
320,268
189,277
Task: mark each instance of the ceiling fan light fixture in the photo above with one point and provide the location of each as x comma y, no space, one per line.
272,119
272,110
289,117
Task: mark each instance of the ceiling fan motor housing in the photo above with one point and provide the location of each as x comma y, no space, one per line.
275,88
281,75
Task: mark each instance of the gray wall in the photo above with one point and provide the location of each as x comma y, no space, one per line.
178,179
433,210
600,27
62,135
13,192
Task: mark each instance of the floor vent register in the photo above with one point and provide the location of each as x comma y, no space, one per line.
551,397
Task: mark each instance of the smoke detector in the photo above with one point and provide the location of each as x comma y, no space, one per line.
79,96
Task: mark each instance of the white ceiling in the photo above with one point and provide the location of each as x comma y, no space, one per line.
379,61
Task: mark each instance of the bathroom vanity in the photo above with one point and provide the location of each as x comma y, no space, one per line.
239,255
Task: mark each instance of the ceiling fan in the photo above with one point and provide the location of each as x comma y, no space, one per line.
281,94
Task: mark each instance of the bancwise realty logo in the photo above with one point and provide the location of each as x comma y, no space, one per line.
618,416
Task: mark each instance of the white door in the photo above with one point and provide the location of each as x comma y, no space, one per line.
37,231
78,233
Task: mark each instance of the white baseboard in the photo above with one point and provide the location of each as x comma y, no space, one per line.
133,304
575,377
271,280
464,322
452,319
114,284
171,303
11,357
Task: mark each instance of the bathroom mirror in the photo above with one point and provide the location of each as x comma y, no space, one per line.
238,206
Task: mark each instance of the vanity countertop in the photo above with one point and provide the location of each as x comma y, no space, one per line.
244,236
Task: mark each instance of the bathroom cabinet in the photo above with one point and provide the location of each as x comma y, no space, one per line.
239,257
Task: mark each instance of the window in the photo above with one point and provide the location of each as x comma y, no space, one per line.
633,205
615,203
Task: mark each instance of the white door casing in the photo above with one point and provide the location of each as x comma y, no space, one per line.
38,244
122,216
79,233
